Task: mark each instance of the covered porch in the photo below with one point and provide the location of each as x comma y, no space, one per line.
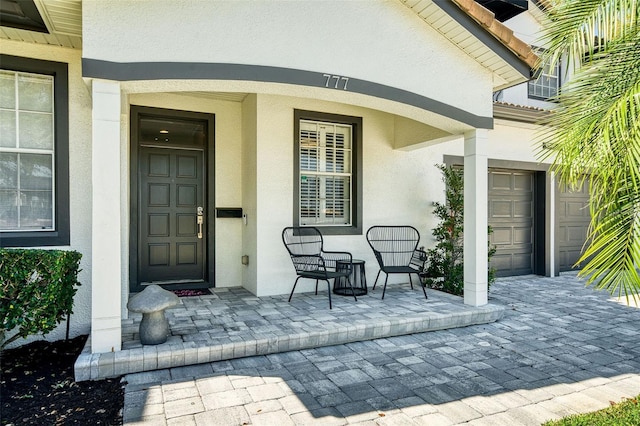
264,117
233,323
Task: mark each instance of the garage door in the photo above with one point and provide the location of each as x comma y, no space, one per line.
573,224
511,195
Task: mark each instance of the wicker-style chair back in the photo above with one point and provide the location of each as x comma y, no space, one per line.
301,241
393,245
396,250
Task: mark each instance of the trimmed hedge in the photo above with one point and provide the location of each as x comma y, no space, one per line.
37,290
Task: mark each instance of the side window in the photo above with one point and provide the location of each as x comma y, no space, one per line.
34,189
327,163
547,85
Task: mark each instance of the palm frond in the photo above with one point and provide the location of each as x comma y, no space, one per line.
595,131
580,27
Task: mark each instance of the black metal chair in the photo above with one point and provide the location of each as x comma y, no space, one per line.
396,250
305,246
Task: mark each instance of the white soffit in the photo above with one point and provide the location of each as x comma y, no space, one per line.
63,19
218,96
431,13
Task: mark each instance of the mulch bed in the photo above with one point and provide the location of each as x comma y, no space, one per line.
38,388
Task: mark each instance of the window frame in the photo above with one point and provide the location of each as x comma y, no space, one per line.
60,235
356,170
540,74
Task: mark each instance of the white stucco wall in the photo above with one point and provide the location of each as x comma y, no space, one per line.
398,187
80,176
508,140
379,41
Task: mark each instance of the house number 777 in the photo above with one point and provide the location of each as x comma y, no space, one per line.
338,81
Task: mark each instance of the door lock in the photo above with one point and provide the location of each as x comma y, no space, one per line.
200,221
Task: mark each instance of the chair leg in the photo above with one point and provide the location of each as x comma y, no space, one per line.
353,291
329,292
293,289
385,286
376,281
411,281
316,287
424,290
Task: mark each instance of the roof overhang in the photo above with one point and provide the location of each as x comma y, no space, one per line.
61,22
521,113
475,30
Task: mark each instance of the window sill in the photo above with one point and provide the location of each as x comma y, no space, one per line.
33,239
338,230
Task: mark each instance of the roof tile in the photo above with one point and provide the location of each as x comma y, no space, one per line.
487,19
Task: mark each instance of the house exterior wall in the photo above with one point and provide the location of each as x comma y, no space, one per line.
79,171
292,36
254,154
398,187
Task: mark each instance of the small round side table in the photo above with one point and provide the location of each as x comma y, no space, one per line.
358,279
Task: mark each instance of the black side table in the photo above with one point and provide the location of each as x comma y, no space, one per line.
358,279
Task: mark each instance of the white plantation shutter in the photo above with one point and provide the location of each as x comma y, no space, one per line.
325,173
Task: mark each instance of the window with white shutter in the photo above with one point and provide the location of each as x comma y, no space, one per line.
325,171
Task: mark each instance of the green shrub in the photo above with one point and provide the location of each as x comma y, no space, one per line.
444,269
37,290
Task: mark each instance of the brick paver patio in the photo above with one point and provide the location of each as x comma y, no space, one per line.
560,349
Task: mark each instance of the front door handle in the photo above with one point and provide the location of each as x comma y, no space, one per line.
200,221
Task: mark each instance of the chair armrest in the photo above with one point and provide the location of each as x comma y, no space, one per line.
332,257
418,259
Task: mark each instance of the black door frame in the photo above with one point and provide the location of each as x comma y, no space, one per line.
209,173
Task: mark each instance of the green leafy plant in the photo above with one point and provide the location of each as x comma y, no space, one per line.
624,413
444,269
37,290
595,130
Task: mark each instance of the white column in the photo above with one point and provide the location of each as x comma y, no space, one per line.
106,331
475,218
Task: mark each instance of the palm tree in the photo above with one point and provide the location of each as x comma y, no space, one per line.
596,129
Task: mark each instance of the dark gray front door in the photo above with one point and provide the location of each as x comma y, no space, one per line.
171,241
511,197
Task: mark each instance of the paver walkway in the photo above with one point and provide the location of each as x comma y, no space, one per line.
233,323
560,349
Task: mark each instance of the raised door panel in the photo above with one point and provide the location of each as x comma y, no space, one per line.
171,190
511,195
573,225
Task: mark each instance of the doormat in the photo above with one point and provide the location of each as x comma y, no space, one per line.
187,293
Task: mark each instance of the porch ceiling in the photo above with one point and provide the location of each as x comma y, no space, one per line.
218,96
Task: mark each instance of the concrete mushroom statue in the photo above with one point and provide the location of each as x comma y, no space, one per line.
151,302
